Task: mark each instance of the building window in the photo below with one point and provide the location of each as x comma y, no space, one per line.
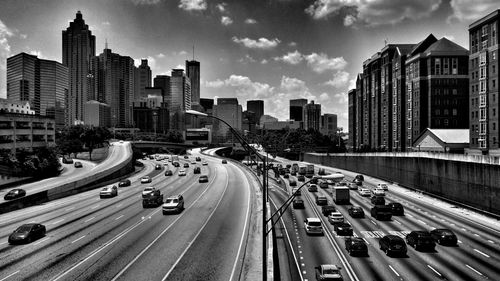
482,58
494,112
446,64
484,31
493,68
445,112
446,122
493,82
454,66
454,112
494,55
437,66
438,112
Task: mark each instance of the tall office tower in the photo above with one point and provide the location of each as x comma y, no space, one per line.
78,47
193,72
360,102
256,106
180,101
230,111
328,124
43,83
142,79
297,108
312,116
484,79
163,82
437,88
351,101
113,76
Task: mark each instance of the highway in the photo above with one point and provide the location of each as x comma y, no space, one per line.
476,256
89,238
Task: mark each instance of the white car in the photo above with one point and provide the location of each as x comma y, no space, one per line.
148,191
335,217
383,186
364,192
313,226
146,179
182,172
109,191
378,191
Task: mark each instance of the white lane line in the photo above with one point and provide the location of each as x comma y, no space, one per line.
459,241
98,199
118,206
491,241
434,270
14,273
475,234
78,239
408,215
397,222
464,229
366,241
473,269
90,219
95,207
395,272
422,222
5,242
373,222
56,222
69,209
481,253
119,217
41,241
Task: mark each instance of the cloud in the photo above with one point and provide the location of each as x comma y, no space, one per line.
214,84
465,10
160,55
373,12
261,43
221,7
263,61
291,58
37,53
151,63
193,5
180,66
250,21
23,36
182,53
146,2
292,44
247,59
5,34
320,62
226,20
106,23
340,79
324,97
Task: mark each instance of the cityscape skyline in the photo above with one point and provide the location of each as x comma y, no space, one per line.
284,49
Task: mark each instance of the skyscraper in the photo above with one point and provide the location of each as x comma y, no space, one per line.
180,100
296,109
312,116
43,83
163,82
193,72
78,47
230,111
257,107
142,79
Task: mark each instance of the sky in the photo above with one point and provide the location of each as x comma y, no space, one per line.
274,50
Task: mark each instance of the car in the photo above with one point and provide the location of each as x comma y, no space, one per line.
148,191
356,246
168,172
197,170
224,161
203,178
326,210
383,186
165,163
358,182
356,212
108,191
313,226
176,164
186,165
27,233
193,162
378,200
292,182
321,200
359,178
328,272
323,184
138,163
301,178
420,240
146,179
397,209
381,212
78,164
186,157
204,163
342,183
182,172
296,191
321,172
313,188
343,229
123,183
444,236
14,194
335,217
198,158
67,160
293,173
392,244
298,204
378,192
157,167
365,192
352,186
286,176
173,204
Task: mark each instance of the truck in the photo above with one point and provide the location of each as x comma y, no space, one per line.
341,195
309,171
153,199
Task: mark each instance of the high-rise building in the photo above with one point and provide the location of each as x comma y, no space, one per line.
163,82
359,108
208,105
193,72
97,114
229,110
484,79
113,76
328,124
142,79
352,118
78,47
257,107
43,83
297,109
180,100
312,116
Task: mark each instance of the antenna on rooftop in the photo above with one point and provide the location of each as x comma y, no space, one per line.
106,44
193,52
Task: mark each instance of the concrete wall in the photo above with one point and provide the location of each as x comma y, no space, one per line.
473,184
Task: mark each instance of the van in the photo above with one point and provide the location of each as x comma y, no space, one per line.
321,200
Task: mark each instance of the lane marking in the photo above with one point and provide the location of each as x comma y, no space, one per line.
94,207
118,206
421,221
69,209
473,269
5,242
459,241
78,239
90,219
395,272
481,253
492,242
119,217
14,273
373,222
475,234
56,222
398,222
41,241
434,270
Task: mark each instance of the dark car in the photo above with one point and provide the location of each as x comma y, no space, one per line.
378,200
176,164
301,178
381,212
198,158
123,183
298,204
392,244
224,161
356,246
321,200
186,157
323,184
397,209
444,236
313,188
197,170
67,160
27,233
359,177
286,176
168,173
421,240
186,165
78,164
326,210
292,182
203,178
14,194
358,182
343,229
356,212
157,167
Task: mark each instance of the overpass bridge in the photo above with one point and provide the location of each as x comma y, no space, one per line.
159,146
